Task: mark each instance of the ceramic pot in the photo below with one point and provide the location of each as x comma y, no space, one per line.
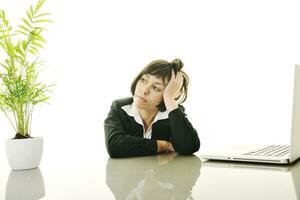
24,153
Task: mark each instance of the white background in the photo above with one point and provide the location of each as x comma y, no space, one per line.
240,56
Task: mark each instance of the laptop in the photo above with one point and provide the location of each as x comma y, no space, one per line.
279,154
253,180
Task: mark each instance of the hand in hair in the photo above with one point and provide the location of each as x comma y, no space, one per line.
172,91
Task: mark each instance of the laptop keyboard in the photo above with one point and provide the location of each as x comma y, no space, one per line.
272,150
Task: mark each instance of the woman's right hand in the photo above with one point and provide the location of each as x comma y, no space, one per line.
164,146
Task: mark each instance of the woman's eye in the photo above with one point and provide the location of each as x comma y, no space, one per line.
156,89
143,80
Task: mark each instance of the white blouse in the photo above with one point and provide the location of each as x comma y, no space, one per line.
132,111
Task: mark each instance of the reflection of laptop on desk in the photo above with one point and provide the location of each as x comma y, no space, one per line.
255,181
267,154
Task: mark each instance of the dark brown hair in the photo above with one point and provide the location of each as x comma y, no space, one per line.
163,69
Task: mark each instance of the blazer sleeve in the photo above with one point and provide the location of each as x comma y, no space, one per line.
119,143
184,137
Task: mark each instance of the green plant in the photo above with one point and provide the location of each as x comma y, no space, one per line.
19,89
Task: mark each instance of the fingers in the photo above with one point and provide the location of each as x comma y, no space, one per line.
179,81
180,78
173,77
164,146
173,88
170,147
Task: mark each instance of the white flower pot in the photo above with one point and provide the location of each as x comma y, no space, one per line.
24,153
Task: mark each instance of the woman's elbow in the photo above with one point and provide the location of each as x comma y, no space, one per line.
113,150
187,149
112,154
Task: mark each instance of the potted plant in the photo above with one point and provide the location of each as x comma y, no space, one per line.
20,90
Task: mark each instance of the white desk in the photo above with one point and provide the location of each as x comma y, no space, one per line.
164,177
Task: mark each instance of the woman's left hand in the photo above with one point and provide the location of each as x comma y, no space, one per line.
172,91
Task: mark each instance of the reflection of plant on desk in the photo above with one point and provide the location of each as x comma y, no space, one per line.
19,89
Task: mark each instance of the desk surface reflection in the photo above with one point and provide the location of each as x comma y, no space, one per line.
226,180
166,176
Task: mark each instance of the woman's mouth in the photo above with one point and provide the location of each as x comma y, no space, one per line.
142,98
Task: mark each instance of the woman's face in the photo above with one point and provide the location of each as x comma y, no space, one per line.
148,92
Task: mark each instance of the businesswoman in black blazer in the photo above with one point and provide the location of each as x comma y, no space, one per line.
152,120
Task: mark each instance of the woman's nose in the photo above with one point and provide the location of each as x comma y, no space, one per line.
145,90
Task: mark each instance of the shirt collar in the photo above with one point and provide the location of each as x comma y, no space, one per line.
132,111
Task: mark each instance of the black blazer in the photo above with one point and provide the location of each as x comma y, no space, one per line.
124,136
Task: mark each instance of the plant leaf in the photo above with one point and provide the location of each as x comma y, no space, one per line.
40,38
37,44
42,14
39,5
21,32
26,22
24,28
24,45
29,15
43,21
33,51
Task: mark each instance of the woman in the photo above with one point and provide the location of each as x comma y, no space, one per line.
152,121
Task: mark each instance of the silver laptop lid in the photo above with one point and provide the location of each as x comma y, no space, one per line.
295,137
